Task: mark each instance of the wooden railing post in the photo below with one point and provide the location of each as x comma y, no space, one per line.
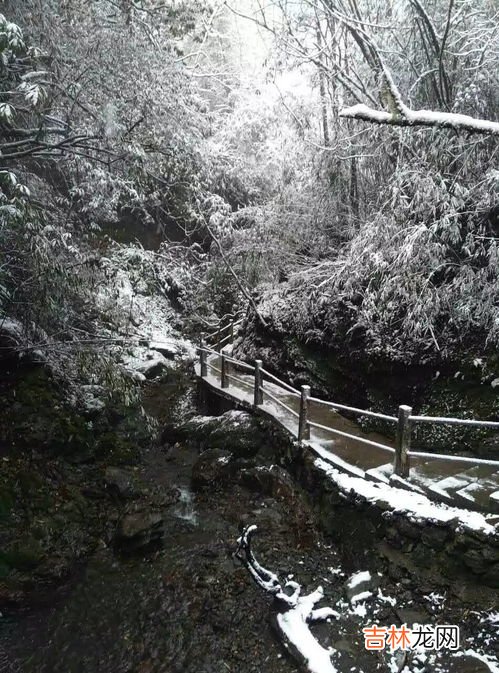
219,337
202,356
303,426
232,331
224,379
258,395
403,443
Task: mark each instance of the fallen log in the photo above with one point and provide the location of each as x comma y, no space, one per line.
293,612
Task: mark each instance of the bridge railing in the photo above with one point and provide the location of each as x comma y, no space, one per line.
405,421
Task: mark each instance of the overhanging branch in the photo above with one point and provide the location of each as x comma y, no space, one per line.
449,120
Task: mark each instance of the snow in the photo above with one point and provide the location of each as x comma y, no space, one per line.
415,505
421,118
386,599
293,624
490,662
359,609
299,612
359,578
363,596
435,599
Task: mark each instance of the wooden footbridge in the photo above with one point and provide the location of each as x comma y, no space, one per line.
464,481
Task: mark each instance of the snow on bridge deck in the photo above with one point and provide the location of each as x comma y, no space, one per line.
453,482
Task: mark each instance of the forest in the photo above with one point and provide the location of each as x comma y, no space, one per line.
317,183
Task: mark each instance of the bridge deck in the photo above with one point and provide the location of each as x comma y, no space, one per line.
456,483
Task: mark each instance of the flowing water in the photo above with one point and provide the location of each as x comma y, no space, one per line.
188,606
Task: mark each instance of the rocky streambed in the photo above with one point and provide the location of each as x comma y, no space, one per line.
158,589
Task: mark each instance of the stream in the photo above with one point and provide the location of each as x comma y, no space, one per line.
188,606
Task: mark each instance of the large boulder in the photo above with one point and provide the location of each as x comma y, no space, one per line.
235,431
213,470
271,481
137,530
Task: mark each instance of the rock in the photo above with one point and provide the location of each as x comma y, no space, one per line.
152,367
491,577
423,556
139,529
212,470
11,335
271,481
407,528
24,555
121,482
167,350
473,559
394,538
491,554
234,431
435,537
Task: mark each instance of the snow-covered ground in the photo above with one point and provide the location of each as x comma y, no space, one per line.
141,313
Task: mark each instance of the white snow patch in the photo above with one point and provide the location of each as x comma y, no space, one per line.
435,599
416,505
358,578
422,117
359,609
490,662
386,599
293,624
363,596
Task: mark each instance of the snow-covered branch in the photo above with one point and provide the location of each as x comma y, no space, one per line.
458,122
294,612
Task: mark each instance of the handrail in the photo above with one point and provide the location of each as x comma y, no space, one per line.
349,436
278,401
222,341
454,421
280,383
455,459
230,325
207,349
361,412
239,363
218,331
405,420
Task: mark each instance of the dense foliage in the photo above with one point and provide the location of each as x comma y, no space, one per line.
152,115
